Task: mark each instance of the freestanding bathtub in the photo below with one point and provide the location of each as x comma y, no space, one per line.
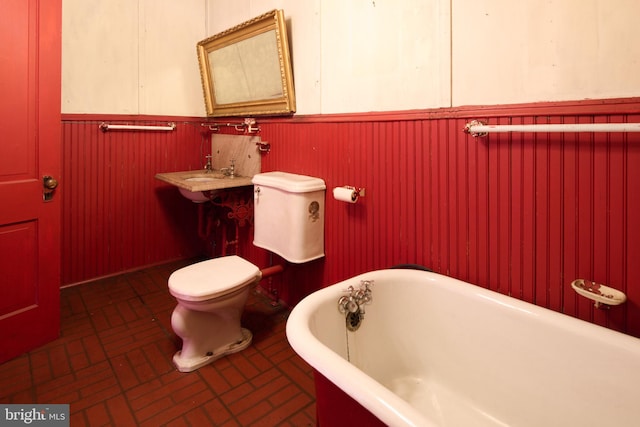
436,351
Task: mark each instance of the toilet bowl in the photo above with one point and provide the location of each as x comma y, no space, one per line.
288,221
211,296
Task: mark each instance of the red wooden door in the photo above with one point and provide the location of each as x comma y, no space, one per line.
30,50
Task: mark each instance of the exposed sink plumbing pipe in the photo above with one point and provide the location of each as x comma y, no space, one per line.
204,231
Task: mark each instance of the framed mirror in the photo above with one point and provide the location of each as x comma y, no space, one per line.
246,70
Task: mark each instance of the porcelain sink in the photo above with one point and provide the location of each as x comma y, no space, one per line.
198,185
199,196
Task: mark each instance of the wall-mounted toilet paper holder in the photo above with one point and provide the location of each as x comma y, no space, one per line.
359,191
348,193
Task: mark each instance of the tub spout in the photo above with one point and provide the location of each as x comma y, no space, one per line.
357,298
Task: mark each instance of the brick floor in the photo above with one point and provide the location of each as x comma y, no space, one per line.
113,365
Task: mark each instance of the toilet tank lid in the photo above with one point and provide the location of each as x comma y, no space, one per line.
290,182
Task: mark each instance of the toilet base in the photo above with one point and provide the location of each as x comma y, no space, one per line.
189,364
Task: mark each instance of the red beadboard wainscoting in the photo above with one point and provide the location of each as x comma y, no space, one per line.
522,214
116,215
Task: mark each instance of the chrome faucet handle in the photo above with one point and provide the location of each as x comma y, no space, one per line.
366,293
208,166
367,284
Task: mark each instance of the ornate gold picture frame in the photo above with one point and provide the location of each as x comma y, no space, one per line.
246,70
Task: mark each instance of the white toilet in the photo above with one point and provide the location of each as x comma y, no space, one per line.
289,221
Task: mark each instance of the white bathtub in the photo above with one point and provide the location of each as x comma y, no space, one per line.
436,351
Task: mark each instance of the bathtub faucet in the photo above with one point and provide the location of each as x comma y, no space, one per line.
357,298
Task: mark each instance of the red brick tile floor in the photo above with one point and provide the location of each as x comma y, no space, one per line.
112,363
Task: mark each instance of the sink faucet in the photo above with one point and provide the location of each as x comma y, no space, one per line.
208,167
231,170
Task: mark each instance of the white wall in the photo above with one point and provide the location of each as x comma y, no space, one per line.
377,55
356,55
382,55
533,50
138,57
132,57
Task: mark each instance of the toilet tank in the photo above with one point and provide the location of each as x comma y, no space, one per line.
289,215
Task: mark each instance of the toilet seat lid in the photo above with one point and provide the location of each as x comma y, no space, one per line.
214,277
